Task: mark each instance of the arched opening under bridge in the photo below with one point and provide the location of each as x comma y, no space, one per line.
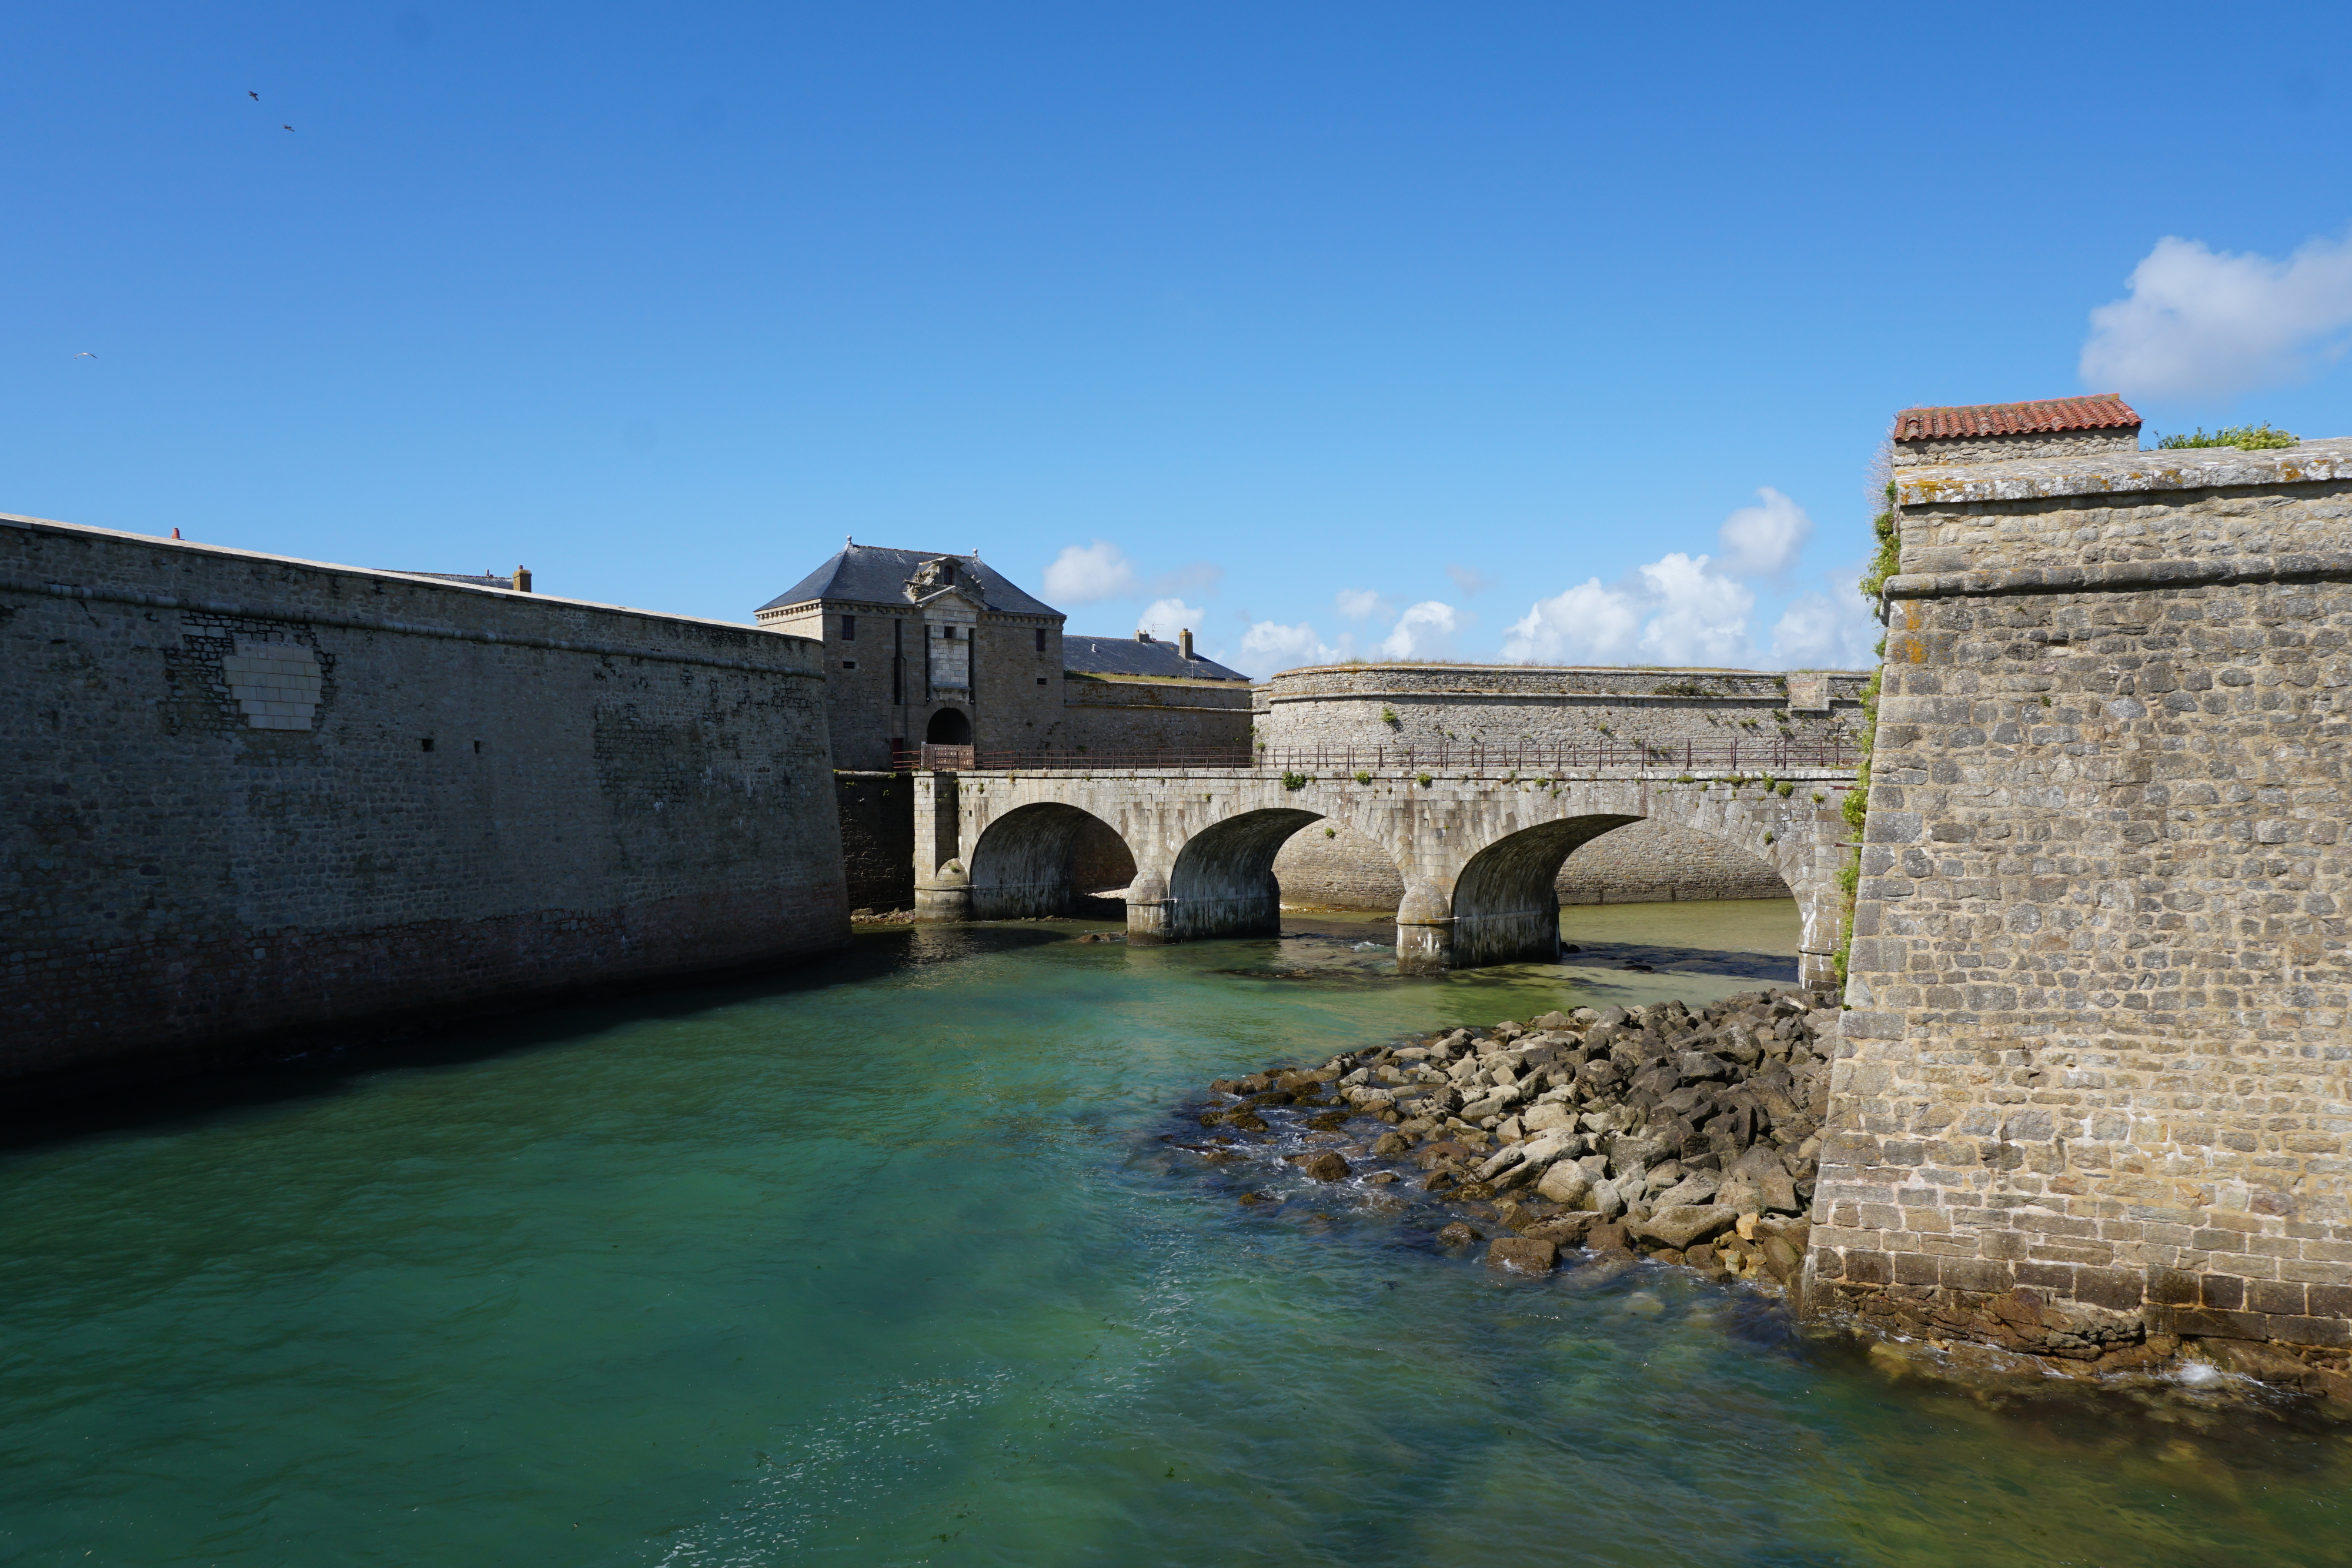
1222,882
1506,900
1036,861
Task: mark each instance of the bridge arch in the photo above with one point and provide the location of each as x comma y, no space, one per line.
1505,900
1022,865
1223,881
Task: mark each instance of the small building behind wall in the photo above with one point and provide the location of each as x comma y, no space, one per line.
944,650
925,648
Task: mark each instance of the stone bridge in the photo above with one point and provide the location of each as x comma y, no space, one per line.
1477,848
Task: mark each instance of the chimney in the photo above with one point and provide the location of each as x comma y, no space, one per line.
1185,638
523,580
1142,635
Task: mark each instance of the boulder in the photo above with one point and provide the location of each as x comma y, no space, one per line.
1493,1104
1685,1225
1696,1186
1604,1199
1737,1193
1563,1229
1522,1254
1778,1192
1552,1114
1389,1144
1606,1236
1458,1235
1326,1165
1565,1182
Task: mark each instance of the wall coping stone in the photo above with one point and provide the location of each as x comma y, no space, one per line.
748,637
2123,473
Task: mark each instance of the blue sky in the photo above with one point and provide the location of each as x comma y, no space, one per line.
1325,328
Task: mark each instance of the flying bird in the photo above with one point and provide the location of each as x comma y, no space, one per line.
255,96
85,354
285,128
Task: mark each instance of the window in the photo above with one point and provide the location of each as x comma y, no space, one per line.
1041,645
428,743
849,628
849,664
946,633
1041,680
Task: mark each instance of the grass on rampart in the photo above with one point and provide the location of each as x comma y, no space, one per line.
2259,437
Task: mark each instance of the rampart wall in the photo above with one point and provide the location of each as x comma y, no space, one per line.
877,839
2095,1084
251,796
1422,706
1133,717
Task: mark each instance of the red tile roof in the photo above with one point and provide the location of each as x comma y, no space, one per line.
2101,411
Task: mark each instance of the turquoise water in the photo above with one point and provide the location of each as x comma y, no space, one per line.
885,1263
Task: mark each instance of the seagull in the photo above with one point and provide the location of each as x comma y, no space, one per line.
285,128
85,354
255,96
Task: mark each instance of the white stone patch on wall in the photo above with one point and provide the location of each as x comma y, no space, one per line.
276,684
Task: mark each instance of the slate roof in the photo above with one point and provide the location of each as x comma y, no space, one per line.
2101,411
868,574
1126,656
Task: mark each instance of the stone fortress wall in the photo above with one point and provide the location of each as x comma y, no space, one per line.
1364,706
2099,976
1126,715
1972,449
252,796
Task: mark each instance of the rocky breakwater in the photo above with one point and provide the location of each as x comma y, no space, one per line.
1687,1135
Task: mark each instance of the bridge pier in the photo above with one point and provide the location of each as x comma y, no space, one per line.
1147,910
1425,940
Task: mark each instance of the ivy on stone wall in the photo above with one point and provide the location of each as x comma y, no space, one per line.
1890,549
1855,807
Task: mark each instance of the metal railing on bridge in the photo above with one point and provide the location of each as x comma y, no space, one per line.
1528,757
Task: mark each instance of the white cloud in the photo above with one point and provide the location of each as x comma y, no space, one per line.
1269,645
1835,628
1762,542
1682,609
1470,582
1700,616
2198,322
1357,603
1164,618
1085,574
1588,625
1425,631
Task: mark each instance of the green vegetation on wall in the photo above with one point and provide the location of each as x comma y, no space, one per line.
1890,549
1855,807
2245,437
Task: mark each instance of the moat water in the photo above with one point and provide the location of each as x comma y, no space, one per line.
885,1261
